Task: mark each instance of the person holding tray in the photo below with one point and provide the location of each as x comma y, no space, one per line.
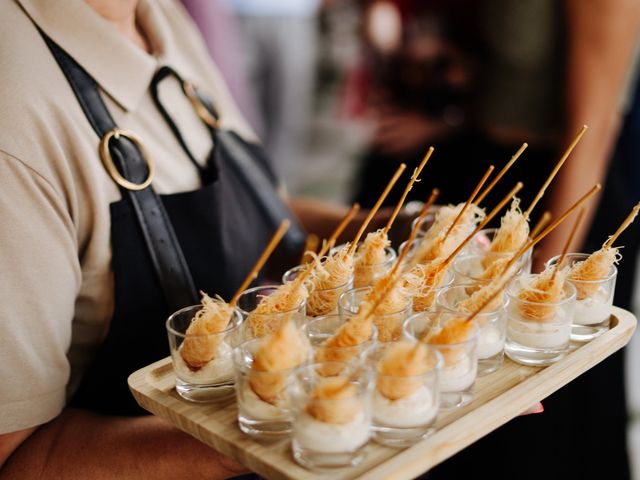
130,182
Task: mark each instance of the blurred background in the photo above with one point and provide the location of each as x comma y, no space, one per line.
343,91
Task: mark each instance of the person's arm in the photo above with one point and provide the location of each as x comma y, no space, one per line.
601,37
81,445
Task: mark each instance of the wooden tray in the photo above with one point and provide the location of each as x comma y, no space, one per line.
498,398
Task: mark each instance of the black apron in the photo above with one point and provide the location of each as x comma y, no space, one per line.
166,248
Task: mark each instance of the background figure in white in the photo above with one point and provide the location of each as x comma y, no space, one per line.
279,53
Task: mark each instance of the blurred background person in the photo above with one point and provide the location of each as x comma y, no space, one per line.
278,54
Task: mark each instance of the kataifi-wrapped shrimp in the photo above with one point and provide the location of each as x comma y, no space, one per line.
596,267
280,351
429,278
402,359
334,400
513,232
369,257
544,288
286,298
325,281
200,346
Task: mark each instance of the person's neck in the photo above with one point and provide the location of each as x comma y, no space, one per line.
122,14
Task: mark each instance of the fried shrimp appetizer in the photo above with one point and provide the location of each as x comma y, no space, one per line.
199,346
282,350
324,283
286,298
334,401
544,288
596,267
513,232
402,359
368,258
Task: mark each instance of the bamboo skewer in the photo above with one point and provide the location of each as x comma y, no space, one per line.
543,222
551,227
564,157
376,207
567,244
501,173
273,243
627,221
310,245
435,193
469,202
414,178
482,224
332,240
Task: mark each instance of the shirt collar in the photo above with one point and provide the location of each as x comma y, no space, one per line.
122,70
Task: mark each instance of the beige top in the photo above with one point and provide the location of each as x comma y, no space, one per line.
56,285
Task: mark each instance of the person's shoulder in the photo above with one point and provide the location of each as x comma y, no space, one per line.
35,100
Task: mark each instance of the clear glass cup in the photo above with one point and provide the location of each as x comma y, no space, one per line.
405,407
320,301
263,397
207,381
538,333
331,431
594,300
469,268
366,275
481,244
389,325
460,368
425,301
258,325
320,329
492,323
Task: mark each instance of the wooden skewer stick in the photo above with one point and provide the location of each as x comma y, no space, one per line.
501,173
551,227
567,244
469,202
482,224
271,246
330,243
414,178
376,207
310,245
628,221
543,222
564,157
435,193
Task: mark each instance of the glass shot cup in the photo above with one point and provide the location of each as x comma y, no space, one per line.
594,300
492,323
258,325
263,397
389,325
425,300
320,301
405,407
470,268
460,367
320,329
538,333
207,375
481,245
331,414
365,275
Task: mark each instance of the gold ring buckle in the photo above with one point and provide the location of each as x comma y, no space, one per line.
107,160
203,113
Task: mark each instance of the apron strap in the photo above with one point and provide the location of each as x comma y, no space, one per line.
166,255
256,176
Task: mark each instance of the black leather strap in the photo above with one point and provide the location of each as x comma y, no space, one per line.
243,161
167,257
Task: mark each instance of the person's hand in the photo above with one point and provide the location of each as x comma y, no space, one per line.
397,131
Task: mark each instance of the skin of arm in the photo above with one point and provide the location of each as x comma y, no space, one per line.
601,38
80,445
